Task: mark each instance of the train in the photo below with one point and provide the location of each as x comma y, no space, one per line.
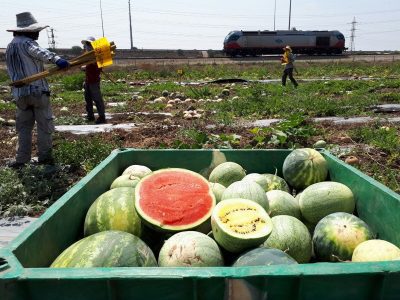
253,43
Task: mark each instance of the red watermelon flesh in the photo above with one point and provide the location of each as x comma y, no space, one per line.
174,199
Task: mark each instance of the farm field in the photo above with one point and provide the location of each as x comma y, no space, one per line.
207,106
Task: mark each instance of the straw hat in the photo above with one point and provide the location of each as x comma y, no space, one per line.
287,48
89,39
27,23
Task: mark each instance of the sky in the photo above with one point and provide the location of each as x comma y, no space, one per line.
202,25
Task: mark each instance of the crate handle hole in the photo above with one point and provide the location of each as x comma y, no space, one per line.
3,264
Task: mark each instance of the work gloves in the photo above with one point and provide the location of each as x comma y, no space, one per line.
62,63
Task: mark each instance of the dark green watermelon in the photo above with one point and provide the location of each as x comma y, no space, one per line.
106,249
264,257
303,167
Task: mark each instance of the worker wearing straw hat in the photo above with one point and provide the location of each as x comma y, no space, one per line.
288,60
24,57
92,87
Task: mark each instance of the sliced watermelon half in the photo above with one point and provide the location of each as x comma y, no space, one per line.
174,199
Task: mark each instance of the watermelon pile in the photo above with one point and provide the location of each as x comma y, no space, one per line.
175,217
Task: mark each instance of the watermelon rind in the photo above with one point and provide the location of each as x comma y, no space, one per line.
240,224
337,235
218,189
190,249
227,173
159,225
257,178
126,180
137,171
246,190
264,257
375,250
113,210
106,249
282,203
291,236
303,167
275,182
324,198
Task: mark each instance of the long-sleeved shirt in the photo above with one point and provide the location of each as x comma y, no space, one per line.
24,57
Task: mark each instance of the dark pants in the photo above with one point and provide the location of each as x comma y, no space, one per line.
286,73
93,94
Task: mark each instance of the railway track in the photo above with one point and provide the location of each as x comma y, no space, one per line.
248,60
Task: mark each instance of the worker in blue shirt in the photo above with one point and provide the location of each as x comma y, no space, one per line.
24,57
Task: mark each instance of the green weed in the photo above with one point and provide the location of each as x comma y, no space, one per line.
73,82
83,153
30,190
289,133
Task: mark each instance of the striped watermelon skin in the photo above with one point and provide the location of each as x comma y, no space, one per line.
292,236
283,203
106,249
246,190
274,182
114,210
337,235
227,173
303,167
324,198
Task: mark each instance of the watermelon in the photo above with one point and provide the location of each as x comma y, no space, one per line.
137,171
246,190
337,235
106,249
127,180
257,178
227,173
291,236
282,203
319,144
264,257
218,190
303,167
274,182
324,198
113,210
174,200
240,224
190,249
375,250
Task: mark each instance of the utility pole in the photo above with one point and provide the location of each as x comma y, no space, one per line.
290,12
130,23
353,34
274,14
50,38
101,15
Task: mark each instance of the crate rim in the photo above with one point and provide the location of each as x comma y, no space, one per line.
13,269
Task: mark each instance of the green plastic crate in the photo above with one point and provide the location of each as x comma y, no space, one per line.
23,263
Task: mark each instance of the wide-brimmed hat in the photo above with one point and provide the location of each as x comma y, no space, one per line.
287,48
89,39
27,23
